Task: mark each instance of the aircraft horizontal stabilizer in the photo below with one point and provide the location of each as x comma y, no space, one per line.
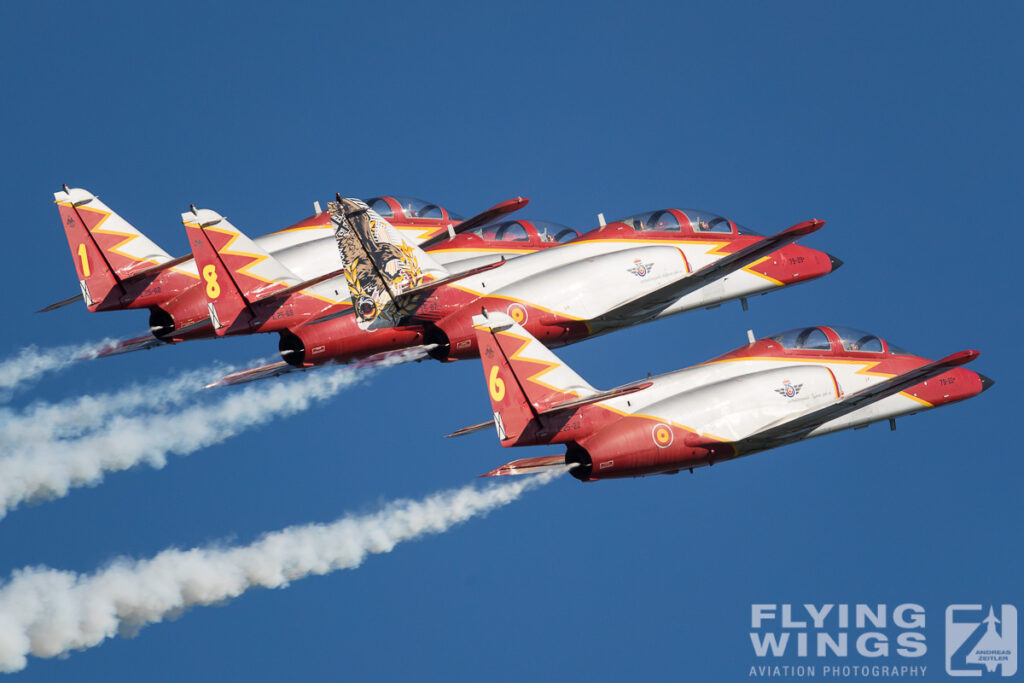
253,374
395,357
142,343
61,304
538,465
648,305
387,358
138,275
801,425
471,429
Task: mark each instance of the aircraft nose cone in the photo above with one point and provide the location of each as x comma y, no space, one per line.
836,263
985,382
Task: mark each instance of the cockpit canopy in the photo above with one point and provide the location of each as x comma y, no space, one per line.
835,338
410,207
680,220
525,231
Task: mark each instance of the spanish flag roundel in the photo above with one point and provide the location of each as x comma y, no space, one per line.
663,436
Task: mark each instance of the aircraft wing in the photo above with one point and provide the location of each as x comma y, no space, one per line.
434,284
565,405
801,425
650,304
594,398
288,291
408,302
483,218
156,269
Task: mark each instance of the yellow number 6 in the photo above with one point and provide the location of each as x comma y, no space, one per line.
496,385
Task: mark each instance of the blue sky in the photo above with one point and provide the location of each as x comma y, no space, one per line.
897,123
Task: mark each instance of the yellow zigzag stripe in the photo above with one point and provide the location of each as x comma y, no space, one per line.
548,366
116,249
256,260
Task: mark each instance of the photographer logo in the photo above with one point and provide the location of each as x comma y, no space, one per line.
981,640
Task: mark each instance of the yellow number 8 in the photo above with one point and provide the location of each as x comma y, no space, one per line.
496,385
210,275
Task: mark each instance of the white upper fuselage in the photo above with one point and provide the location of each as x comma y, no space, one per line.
729,399
583,279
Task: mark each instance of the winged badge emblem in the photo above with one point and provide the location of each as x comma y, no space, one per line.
789,390
639,268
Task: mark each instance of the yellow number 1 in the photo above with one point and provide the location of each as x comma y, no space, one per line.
85,259
210,275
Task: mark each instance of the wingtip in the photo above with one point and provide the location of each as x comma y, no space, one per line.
961,357
806,227
510,205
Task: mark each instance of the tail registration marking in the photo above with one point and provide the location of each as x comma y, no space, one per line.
496,385
85,259
210,275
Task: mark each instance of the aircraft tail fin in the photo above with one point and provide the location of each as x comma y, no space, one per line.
105,247
234,270
524,378
380,264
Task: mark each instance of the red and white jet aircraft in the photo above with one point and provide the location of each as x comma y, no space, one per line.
771,392
119,268
638,269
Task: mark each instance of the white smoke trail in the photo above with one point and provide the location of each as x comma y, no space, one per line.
47,421
49,468
46,612
32,362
